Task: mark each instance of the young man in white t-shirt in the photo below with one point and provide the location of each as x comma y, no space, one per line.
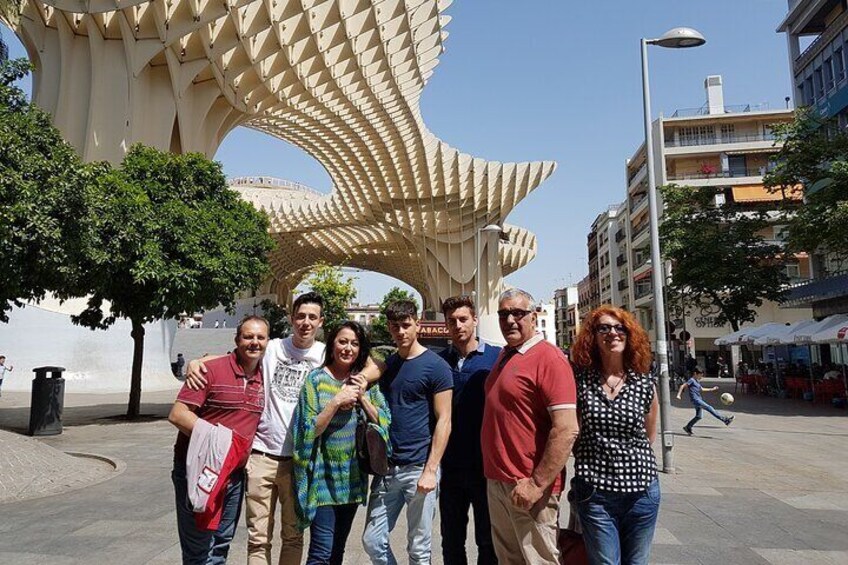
3,369
270,483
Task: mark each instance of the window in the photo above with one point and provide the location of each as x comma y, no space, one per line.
738,165
727,132
697,135
828,74
818,85
838,64
793,271
809,94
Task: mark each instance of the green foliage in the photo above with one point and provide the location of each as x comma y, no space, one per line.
166,235
379,327
278,317
42,199
337,291
815,155
721,265
163,235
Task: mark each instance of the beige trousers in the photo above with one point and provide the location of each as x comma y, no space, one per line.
270,482
520,536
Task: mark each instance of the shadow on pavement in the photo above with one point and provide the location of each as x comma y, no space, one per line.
17,419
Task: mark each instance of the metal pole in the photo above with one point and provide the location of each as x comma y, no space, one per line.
657,276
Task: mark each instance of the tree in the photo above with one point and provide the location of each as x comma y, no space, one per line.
337,291
379,327
814,154
278,318
720,263
165,235
42,200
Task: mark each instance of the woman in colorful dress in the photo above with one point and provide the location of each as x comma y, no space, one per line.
615,490
328,480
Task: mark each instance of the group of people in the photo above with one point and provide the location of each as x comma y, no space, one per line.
475,428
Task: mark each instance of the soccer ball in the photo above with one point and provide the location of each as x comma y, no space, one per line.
727,399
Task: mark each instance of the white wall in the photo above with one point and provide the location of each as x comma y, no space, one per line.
96,361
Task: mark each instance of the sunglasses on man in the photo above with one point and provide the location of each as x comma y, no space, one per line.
516,313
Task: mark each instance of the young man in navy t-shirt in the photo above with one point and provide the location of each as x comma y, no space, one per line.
418,387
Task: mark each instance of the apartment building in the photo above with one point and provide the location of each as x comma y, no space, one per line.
587,295
566,303
716,146
817,40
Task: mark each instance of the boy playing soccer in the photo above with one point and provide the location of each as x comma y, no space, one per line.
695,390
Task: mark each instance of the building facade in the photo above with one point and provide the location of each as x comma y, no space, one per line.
566,303
715,146
817,40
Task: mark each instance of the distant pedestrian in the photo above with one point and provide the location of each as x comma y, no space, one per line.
695,390
3,370
224,324
217,324
180,366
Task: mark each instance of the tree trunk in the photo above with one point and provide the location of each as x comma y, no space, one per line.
734,325
134,406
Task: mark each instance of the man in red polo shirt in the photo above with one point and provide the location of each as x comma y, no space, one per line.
234,397
529,427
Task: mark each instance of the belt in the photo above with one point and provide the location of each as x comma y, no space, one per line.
269,456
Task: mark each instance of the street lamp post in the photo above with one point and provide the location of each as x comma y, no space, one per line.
679,37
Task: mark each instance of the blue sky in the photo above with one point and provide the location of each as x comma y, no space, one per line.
549,79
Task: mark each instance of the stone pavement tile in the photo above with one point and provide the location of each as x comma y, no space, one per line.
807,557
664,537
706,555
812,501
37,559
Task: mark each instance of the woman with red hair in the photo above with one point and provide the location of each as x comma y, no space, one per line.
615,490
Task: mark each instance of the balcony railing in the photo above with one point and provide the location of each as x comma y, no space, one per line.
705,110
642,290
833,29
635,174
636,203
706,140
639,231
748,172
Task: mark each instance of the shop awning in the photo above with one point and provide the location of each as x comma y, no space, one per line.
836,332
784,335
806,335
759,193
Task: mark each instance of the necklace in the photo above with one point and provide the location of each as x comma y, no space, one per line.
616,385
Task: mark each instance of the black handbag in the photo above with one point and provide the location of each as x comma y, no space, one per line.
371,448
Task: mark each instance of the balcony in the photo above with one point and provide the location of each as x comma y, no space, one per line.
635,174
707,140
813,49
642,290
705,110
620,235
637,203
623,285
738,173
639,231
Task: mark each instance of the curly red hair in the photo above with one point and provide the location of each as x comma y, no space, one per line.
637,351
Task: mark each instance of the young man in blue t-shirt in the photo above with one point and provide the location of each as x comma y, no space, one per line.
418,386
695,390
463,485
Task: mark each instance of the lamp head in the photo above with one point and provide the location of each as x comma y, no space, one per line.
679,38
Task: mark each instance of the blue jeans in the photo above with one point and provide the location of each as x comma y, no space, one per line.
618,528
328,534
457,494
201,547
388,496
699,406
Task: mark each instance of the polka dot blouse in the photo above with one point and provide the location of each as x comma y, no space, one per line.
613,452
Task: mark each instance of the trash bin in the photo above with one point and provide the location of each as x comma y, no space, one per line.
48,400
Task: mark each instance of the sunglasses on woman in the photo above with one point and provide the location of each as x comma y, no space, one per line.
604,329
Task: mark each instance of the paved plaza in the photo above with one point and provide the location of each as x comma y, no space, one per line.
771,488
